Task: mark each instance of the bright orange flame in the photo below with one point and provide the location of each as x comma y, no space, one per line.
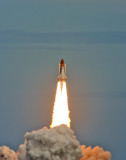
61,111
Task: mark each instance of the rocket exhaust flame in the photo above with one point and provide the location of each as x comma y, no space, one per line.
60,110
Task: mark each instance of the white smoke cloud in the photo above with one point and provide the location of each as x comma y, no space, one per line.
95,153
22,152
7,154
58,143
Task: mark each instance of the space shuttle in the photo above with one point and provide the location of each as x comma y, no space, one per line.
62,71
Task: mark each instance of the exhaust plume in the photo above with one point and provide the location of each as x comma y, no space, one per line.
61,110
7,154
58,143
95,153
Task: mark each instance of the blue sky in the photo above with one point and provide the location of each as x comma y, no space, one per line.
66,15
91,37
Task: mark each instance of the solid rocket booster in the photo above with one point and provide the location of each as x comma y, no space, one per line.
62,71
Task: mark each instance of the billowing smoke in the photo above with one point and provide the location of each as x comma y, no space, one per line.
22,153
58,143
7,154
95,153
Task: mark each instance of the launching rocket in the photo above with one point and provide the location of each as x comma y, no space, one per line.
62,71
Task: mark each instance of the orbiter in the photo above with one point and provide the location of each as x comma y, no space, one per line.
62,71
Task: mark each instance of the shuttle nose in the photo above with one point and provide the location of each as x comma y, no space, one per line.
62,61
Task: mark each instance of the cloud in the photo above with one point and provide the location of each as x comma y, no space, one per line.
58,143
95,153
7,154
